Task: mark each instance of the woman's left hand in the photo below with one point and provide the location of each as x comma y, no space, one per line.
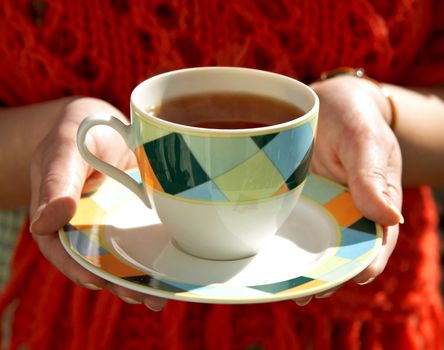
355,146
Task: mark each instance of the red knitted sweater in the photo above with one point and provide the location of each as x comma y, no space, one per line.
104,48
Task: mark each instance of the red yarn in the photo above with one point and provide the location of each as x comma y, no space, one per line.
104,48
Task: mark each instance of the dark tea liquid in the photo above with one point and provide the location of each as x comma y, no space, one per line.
230,124
224,110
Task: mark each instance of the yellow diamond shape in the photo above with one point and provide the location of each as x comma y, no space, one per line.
256,178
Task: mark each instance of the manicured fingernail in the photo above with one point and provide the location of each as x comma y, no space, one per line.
130,300
371,279
303,302
35,217
91,286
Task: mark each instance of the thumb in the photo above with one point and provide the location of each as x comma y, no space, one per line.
374,179
58,174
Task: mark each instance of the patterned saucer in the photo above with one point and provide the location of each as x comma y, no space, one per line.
325,242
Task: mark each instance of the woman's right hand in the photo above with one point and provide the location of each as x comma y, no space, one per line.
59,176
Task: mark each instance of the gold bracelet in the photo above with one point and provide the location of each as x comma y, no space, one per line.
360,73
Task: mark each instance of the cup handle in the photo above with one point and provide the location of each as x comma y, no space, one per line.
100,165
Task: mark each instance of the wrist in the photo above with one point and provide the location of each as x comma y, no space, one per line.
379,92
380,100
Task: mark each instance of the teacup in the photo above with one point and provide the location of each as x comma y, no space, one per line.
221,192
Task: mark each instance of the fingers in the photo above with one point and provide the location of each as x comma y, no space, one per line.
356,147
57,178
375,184
326,294
373,169
303,301
57,182
132,297
58,173
390,237
53,250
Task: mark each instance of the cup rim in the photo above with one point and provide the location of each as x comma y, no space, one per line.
307,116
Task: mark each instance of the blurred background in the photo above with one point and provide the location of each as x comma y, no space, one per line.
439,195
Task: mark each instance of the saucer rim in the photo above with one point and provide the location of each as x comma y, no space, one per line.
271,297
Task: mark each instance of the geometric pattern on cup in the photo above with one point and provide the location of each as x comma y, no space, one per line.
218,154
222,169
288,148
174,164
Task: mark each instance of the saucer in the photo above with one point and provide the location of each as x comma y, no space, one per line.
325,242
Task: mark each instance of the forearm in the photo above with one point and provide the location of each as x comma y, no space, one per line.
420,132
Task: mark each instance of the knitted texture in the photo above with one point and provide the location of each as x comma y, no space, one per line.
54,48
104,48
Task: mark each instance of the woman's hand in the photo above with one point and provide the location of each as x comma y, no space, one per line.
59,176
356,147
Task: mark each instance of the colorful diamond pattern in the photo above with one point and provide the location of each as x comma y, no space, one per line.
298,175
174,164
257,177
217,156
288,148
208,191
355,243
233,169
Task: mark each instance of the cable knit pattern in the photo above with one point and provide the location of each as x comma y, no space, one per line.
104,48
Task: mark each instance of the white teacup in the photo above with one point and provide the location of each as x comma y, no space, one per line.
221,193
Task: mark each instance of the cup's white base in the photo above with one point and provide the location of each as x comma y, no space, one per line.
308,237
224,231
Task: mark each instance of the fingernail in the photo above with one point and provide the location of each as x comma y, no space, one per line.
303,302
35,217
396,211
152,307
371,279
91,286
130,300
324,295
